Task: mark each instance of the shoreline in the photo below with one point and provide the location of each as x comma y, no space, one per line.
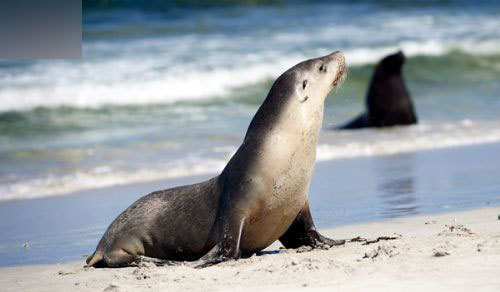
333,146
449,251
62,228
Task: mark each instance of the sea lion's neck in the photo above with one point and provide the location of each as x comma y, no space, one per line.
278,141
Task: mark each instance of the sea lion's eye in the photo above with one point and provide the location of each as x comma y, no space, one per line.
304,84
322,68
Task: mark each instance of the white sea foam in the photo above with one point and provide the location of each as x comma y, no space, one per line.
370,142
108,83
333,145
92,90
178,67
168,70
104,176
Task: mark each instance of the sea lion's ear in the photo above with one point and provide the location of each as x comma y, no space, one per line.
301,90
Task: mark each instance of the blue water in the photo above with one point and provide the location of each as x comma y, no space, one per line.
165,91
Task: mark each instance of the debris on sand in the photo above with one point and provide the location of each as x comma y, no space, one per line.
112,288
304,248
370,241
440,253
456,230
382,251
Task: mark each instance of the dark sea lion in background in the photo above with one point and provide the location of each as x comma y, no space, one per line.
388,102
260,196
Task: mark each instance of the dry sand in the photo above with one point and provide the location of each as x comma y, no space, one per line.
447,252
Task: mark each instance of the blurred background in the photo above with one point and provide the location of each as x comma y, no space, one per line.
166,90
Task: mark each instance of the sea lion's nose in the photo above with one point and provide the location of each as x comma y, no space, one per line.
335,56
338,55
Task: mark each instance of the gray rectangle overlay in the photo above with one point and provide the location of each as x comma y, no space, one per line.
40,29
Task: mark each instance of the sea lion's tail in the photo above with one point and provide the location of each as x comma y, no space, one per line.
96,258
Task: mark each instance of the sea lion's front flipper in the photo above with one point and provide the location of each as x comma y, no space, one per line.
227,248
303,232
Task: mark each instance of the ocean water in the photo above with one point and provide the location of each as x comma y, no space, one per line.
166,89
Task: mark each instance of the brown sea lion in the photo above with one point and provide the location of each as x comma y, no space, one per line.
260,196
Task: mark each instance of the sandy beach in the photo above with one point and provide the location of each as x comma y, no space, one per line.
445,252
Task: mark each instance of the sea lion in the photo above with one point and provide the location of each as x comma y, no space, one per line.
260,196
388,102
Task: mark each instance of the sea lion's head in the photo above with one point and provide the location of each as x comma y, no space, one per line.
298,95
315,78
391,64
309,81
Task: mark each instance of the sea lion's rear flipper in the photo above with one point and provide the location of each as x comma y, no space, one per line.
95,259
113,259
360,122
119,258
303,232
